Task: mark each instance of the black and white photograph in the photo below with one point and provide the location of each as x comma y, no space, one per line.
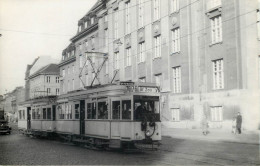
130,82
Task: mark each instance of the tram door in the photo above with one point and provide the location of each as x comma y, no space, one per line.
82,117
28,118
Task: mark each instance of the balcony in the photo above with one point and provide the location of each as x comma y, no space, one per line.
213,4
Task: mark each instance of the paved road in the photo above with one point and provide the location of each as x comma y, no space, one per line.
16,149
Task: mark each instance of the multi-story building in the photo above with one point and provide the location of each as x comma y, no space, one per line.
204,55
45,82
11,101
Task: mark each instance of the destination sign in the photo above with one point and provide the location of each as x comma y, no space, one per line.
147,89
128,83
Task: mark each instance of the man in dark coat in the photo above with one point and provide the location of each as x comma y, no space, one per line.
239,122
141,109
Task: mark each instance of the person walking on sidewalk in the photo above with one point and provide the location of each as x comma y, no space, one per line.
239,122
234,127
204,125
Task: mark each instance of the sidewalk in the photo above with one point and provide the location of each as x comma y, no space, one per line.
247,137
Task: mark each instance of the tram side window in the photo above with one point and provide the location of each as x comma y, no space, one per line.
60,111
23,114
126,110
116,109
38,113
44,113
91,111
102,110
20,114
33,114
49,113
76,111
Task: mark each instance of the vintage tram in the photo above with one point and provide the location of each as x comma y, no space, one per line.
120,115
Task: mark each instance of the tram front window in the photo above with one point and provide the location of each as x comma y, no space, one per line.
146,107
126,110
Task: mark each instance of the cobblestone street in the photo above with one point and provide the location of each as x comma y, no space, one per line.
18,149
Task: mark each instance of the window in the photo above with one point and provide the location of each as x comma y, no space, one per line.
143,79
63,57
93,41
73,68
218,74
57,91
73,53
80,28
127,17
68,85
80,61
216,29
116,24
48,79
80,47
76,111
116,60
141,13
106,38
86,24
126,109
141,57
44,113
37,113
94,78
128,57
48,91
156,9
68,70
87,84
92,20
102,110
174,5
115,109
105,18
158,79
61,111
68,54
216,113
107,68
73,84
176,71
80,82
175,40
258,23
57,79
49,113
91,110
175,114
63,72
157,46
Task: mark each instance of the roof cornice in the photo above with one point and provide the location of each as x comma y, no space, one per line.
85,32
67,61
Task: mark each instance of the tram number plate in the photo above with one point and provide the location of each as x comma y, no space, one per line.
147,89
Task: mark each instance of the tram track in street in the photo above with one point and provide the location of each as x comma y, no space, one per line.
210,158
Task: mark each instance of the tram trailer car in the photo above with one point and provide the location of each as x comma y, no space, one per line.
116,115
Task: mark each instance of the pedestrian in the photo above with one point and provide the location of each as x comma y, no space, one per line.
239,122
204,125
234,123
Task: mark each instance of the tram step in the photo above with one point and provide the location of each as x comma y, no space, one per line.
114,144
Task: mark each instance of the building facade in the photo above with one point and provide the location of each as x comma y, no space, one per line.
204,55
45,82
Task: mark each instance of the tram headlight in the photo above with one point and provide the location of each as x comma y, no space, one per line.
147,133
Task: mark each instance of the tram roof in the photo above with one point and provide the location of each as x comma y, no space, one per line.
106,89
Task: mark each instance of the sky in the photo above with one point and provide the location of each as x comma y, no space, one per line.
33,28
